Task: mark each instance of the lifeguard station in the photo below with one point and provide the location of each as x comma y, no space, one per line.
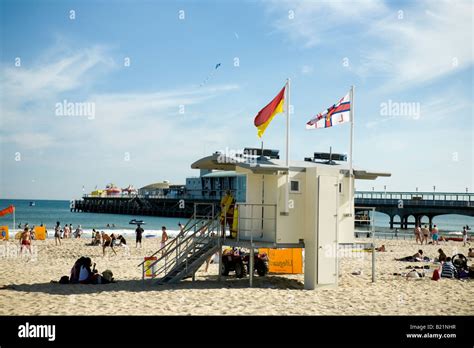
319,214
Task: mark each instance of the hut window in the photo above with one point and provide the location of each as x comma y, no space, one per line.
294,186
340,187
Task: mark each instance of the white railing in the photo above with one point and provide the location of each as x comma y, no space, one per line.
257,222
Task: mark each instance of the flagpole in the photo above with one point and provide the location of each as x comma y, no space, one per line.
287,191
351,142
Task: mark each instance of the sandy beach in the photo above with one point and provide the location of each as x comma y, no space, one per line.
26,288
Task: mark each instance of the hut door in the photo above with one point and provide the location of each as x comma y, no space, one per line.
327,230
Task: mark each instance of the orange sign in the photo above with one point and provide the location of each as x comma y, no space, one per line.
3,232
284,261
40,232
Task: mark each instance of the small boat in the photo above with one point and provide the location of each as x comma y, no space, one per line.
32,204
136,222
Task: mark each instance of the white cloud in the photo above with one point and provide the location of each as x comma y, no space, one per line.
307,69
433,39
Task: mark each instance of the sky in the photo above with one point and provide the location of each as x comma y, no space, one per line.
147,70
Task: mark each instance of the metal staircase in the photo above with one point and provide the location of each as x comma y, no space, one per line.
186,253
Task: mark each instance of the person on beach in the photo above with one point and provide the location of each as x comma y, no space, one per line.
181,228
470,253
107,242
164,239
448,270
426,232
25,240
85,271
435,235
418,234
78,232
57,234
122,241
416,257
66,231
442,256
464,237
33,234
139,231
227,212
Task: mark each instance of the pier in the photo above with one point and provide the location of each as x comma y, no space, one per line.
401,206
136,205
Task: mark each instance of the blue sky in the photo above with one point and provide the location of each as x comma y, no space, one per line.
171,106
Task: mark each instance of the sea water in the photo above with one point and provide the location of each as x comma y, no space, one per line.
47,212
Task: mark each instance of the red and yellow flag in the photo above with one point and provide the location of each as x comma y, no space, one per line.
266,115
8,210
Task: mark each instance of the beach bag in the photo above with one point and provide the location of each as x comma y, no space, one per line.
435,275
64,280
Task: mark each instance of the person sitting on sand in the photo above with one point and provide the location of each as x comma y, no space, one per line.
25,240
470,253
382,248
86,273
416,257
448,270
442,255
106,242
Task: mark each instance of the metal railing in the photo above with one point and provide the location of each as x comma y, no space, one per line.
414,202
369,222
418,196
257,222
202,228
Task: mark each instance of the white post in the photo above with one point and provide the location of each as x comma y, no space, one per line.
351,171
287,163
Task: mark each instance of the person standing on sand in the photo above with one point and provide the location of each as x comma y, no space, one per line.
57,233
66,231
435,235
464,237
139,231
417,232
164,238
426,233
25,240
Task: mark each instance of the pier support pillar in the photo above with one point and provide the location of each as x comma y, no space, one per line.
430,221
391,222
